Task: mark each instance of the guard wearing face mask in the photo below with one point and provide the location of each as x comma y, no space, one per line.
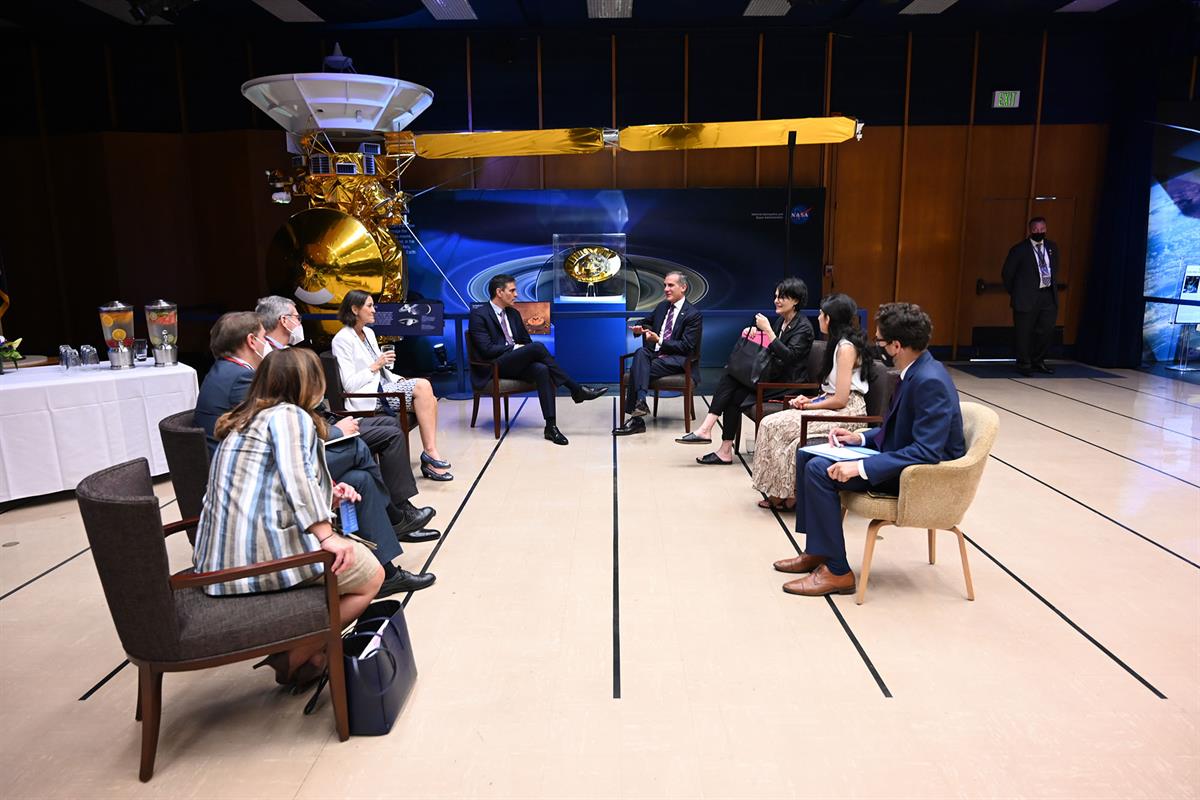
1031,277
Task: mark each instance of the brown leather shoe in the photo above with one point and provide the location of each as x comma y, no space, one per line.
821,582
800,564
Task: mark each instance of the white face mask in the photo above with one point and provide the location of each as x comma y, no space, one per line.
296,334
266,348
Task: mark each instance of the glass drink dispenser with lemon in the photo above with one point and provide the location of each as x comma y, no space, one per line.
116,319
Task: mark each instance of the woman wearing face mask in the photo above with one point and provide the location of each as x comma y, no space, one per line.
845,372
365,368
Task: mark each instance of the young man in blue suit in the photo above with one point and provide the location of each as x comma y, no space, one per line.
922,426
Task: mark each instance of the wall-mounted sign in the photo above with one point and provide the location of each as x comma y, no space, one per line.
1006,99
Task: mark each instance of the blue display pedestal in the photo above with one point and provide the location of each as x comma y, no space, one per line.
588,347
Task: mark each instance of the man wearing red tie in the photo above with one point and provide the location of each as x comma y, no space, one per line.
1031,277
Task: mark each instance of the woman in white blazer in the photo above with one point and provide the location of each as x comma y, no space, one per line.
364,368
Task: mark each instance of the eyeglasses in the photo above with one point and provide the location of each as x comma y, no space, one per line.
285,316
883,342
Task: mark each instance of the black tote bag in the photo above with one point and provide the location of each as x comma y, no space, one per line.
380,669
749,362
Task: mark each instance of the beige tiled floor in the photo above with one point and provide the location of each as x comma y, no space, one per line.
729,688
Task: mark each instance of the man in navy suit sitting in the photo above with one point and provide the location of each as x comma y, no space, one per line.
922,426
498,334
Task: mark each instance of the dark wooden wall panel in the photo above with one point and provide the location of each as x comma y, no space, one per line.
996,206
867,192
927,259
1071,169
508,173
662,170
591,171
712,168
806,166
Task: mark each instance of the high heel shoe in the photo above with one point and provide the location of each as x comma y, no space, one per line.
433,462
428,472
278,662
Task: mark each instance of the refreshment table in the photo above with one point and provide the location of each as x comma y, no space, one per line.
57,427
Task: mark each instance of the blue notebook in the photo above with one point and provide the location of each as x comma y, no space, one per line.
840,453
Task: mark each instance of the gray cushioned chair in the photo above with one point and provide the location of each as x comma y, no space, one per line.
186,449
495,388
167,623
932,496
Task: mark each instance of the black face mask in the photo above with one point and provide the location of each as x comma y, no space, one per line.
1037,237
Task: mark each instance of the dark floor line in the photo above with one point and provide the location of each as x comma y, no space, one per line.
104,680
1068,620
1098,513
862,652
616,556
446,532
1080,439
1148,394
44,574
1109,410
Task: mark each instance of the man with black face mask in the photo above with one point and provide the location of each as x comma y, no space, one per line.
1031,276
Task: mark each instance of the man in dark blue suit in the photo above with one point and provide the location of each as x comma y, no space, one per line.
923,426
238,343
669,336
498,334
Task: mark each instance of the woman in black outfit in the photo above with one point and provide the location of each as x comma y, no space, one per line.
789,339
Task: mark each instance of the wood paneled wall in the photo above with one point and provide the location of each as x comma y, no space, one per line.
916,212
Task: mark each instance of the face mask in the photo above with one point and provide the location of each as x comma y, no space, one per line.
266,348
1037,237
296,334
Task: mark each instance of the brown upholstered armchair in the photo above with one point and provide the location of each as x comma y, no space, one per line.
683,382
186,448
932,496
167,623
336,396
496,387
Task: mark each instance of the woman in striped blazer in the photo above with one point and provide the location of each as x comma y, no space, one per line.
270,496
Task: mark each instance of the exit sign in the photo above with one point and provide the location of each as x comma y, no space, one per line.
1009,99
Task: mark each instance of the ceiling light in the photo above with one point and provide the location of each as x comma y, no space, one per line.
289,10
927,6
1085,5
767,8
609,9
450,9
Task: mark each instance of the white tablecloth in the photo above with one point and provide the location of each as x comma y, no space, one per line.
57,427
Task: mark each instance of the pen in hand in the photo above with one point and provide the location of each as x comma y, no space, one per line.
833,440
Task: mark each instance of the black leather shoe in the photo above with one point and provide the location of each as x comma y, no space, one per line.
416,537
553,434
712,458
640,409
634,425
412,519
1043,368
404,581
586,393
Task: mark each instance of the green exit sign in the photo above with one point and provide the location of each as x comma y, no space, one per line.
1009,99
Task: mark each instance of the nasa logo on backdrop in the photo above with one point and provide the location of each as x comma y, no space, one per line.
801,214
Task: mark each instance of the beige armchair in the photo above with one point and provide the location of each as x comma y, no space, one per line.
932,496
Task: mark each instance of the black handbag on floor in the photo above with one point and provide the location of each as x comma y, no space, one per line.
380,669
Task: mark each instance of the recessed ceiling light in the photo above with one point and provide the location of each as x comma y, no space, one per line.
767,8
927,6
609,9
450,9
